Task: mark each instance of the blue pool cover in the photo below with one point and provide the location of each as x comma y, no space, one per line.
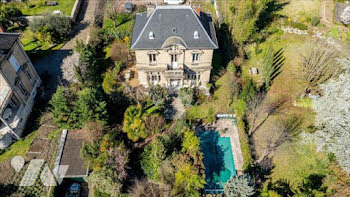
218,159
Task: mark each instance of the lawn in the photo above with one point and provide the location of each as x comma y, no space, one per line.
19,148
38,7
301,160
301,10
30,44
220,103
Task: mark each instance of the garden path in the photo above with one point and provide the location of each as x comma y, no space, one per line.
178,108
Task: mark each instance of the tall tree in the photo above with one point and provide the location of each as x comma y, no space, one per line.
62,107
245,15
90,106
152,158
271,66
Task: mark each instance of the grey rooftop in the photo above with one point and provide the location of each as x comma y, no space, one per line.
179,22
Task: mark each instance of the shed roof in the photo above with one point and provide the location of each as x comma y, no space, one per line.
173,21
71,154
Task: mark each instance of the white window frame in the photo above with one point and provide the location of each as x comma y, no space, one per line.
13,61
195,57
152,57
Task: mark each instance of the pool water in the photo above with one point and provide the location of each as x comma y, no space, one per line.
218,159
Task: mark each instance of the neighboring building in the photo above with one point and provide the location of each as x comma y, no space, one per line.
174,46
18,84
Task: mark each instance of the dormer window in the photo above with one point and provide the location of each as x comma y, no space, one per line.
151,35
195,35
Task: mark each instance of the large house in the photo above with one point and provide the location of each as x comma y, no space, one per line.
173,46
18,84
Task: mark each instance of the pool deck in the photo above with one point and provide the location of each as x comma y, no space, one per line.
232,133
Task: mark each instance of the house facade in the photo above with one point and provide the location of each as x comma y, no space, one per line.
174,46
18,83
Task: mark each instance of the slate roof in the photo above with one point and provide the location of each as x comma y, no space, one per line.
165,19
6,42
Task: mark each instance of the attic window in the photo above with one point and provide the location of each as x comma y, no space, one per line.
151,35
195,35
173,30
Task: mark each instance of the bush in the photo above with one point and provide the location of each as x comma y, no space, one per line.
159,95
52,28
315,21
187,96
297,25
119,51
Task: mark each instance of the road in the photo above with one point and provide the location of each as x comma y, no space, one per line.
51,63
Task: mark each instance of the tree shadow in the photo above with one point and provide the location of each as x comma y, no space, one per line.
314,182
226,51
282,187
8,190
267,16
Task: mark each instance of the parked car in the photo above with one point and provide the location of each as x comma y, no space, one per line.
174,2
73,190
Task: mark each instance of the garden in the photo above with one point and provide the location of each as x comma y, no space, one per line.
40,7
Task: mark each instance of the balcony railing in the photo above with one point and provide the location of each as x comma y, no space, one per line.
174,71
13,120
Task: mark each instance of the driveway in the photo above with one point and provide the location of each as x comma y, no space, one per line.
51,64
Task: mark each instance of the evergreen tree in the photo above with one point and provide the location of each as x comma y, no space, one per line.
62,109
152,159
239,186
90,106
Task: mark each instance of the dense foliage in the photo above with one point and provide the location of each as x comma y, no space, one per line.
187,96
52,28
72,109
239,186
9,16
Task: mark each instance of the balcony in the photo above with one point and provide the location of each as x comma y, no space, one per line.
174,71
5,92
14,120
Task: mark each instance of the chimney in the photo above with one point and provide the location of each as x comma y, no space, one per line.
150,9
197,9
2,30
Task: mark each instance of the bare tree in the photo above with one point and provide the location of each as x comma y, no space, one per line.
155,124
145,188
119,51
319,63
284,130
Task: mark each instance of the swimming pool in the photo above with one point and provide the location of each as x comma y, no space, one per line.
218,159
